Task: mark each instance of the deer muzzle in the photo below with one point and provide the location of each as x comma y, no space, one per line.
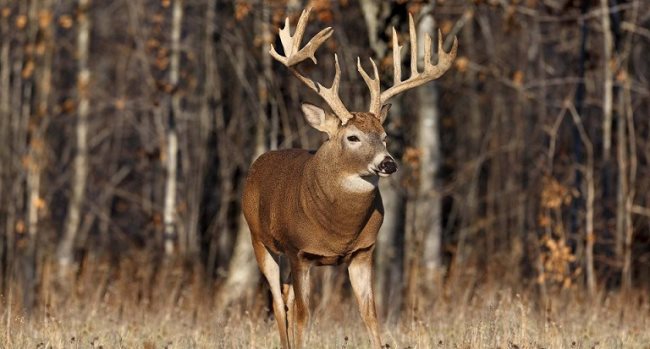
387,166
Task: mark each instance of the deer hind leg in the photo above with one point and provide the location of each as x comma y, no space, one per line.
300,301
271,270
360,270
289,298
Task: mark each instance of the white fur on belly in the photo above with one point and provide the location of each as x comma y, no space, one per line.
358,184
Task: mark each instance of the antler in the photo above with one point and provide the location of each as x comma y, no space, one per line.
293,55
431,72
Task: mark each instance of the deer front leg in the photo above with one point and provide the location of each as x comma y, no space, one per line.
300,311
271,270
360,270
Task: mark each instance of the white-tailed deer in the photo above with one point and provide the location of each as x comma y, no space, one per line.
323,207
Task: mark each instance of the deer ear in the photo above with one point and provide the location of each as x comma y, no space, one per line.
320,120
383,113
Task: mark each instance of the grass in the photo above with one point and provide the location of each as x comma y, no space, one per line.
125,313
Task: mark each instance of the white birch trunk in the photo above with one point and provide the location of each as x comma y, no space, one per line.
65,253
428,209
171,165
608,92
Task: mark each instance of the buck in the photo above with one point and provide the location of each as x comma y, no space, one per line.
324,207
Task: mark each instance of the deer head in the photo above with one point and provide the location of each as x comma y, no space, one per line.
358,138
356,150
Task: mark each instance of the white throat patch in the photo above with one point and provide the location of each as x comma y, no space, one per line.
357,184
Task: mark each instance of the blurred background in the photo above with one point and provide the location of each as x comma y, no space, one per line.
128,126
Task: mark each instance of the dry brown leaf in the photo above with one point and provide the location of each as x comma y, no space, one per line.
44,18
518,78
446,26
242,9
120,103
21,22
28,69
20,226
462,63
65,22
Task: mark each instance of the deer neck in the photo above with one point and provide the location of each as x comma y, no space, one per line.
335,198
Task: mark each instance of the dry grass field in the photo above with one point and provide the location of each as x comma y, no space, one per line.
132,311
495,321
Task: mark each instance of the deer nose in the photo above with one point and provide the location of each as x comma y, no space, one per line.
388,165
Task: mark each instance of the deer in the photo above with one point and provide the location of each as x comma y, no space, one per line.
323,207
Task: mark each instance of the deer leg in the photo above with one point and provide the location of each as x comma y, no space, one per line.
289,297
271,270
300,309
360,271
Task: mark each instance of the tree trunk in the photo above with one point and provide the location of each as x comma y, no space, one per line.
589,203
623,186
608,91
375,13
388,279
472,135
626,119
79,178
212,95
171,159
36,95
428,209
5,144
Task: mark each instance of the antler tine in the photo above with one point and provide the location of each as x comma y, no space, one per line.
397,59
373,86
413,35
300,29
431,71
427,48
444,59
293,55
331,95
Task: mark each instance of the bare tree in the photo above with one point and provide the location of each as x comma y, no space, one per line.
589,202
429,201
79,179
608,91
171,158
36,109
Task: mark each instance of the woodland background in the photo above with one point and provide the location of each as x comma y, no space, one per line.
127,128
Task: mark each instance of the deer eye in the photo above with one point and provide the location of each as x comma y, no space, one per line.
353,139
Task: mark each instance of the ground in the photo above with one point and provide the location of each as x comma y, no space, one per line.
490,318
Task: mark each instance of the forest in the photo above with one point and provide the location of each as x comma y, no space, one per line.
519,218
